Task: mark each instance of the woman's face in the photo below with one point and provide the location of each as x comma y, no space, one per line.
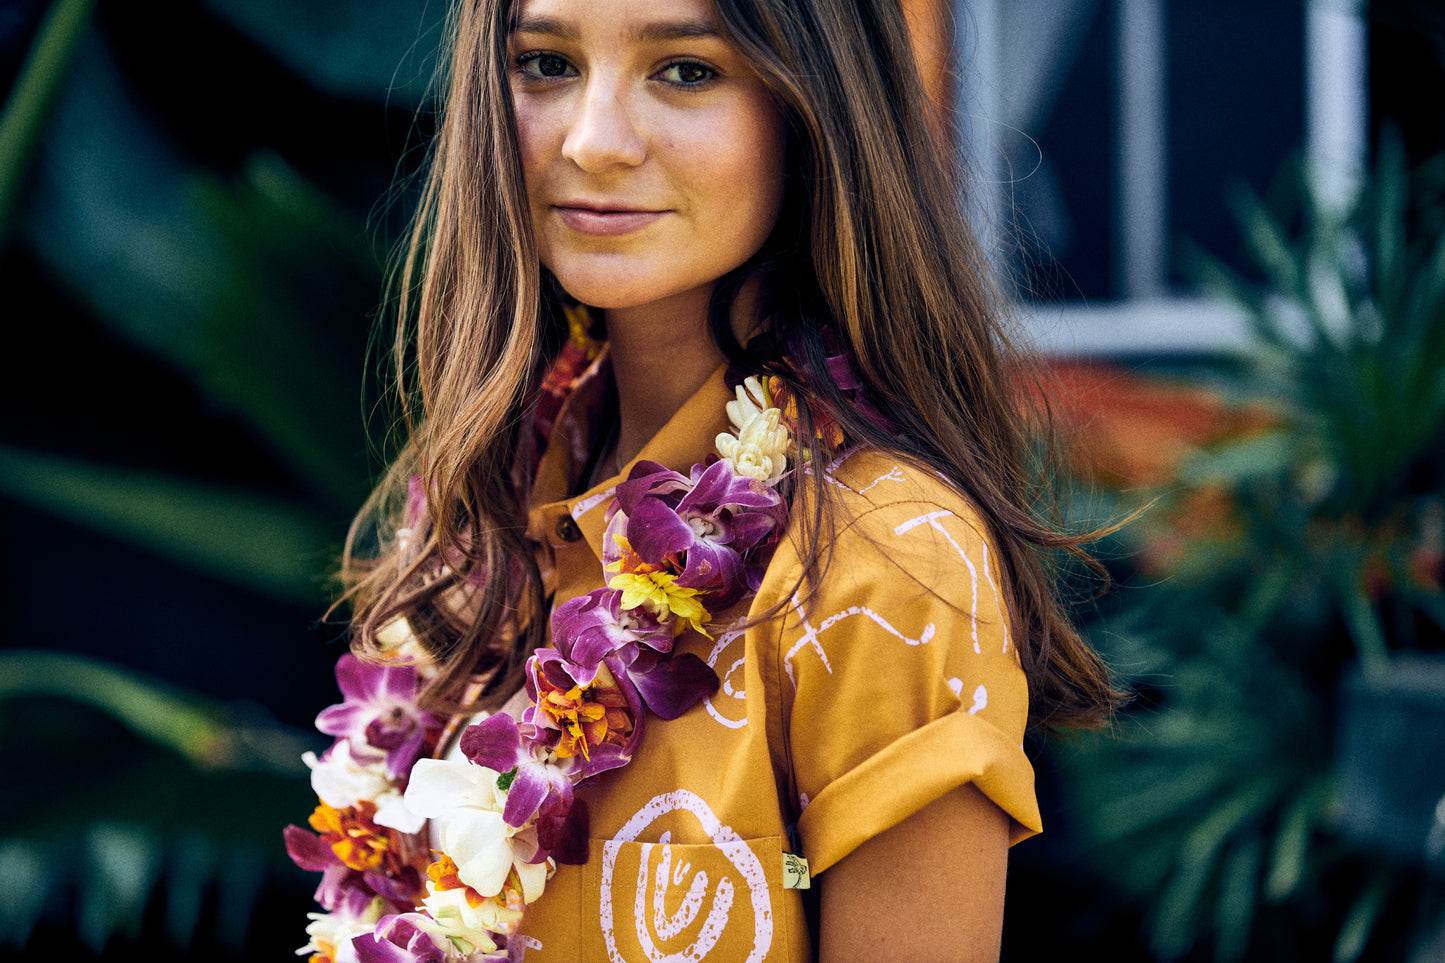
653,152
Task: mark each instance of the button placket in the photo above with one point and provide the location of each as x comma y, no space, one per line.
566,529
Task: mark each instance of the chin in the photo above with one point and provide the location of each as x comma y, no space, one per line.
608,291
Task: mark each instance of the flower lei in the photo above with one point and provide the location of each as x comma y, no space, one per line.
679,549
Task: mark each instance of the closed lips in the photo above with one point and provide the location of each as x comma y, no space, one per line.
605,221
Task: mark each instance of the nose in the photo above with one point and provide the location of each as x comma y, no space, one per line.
603,132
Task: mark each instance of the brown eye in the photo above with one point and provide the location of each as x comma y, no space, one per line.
688,73
541,64
551,65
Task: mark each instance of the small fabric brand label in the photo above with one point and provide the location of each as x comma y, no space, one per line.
795,872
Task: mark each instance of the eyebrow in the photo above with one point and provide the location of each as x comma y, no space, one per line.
656,32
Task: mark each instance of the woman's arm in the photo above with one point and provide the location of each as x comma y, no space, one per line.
930,888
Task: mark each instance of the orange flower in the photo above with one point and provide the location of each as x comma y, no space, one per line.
357,840
444,876
587,715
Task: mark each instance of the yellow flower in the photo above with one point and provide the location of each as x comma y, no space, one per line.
627,560
658,592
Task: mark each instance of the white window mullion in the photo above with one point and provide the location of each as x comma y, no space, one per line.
977,99
1142,80
1336,99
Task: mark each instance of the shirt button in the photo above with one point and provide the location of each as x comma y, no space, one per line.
567,529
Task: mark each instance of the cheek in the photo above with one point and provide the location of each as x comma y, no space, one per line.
760,159
531,144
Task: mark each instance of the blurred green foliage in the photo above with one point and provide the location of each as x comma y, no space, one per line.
137,792
157,173
1285,556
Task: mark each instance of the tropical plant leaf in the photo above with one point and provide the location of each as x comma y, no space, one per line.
257,289
199,729
1363,915
25,882
122,867
176,809
27,109
360,49
1327,555
1238,895
265,543
1303,816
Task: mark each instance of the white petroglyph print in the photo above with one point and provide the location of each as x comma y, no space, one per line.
586,505
932,521
810,634
893,474
666,876
724,704
517,947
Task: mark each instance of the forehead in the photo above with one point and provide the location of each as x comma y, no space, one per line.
633,19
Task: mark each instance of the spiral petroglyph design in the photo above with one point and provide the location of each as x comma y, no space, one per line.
666,878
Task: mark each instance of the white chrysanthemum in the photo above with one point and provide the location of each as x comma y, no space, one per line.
469,928
331,933
759,444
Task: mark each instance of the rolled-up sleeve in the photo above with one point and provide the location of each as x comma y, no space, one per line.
899,680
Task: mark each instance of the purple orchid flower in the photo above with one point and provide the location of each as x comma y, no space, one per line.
565,833
668,685
398,940
585,634
379,717
340,882
308,851
551,666
593,626
499,743
698,528
401,938
714,484
648,479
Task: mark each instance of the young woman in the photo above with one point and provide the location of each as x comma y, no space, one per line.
704,610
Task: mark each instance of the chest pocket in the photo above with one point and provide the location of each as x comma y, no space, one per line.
667,902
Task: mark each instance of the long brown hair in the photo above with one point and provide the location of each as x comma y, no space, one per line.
872,259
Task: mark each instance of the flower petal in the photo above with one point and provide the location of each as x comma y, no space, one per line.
440,785
495,742
479,843
308,851
394,813
674,685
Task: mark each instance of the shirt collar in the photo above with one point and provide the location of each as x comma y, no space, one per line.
686,439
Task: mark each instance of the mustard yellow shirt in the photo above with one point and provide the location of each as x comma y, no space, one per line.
898,682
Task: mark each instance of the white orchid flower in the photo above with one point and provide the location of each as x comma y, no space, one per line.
341,782
465,806
470,928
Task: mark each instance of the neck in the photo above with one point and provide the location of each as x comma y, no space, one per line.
661,355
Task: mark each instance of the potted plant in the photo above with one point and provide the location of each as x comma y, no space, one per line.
1286,609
